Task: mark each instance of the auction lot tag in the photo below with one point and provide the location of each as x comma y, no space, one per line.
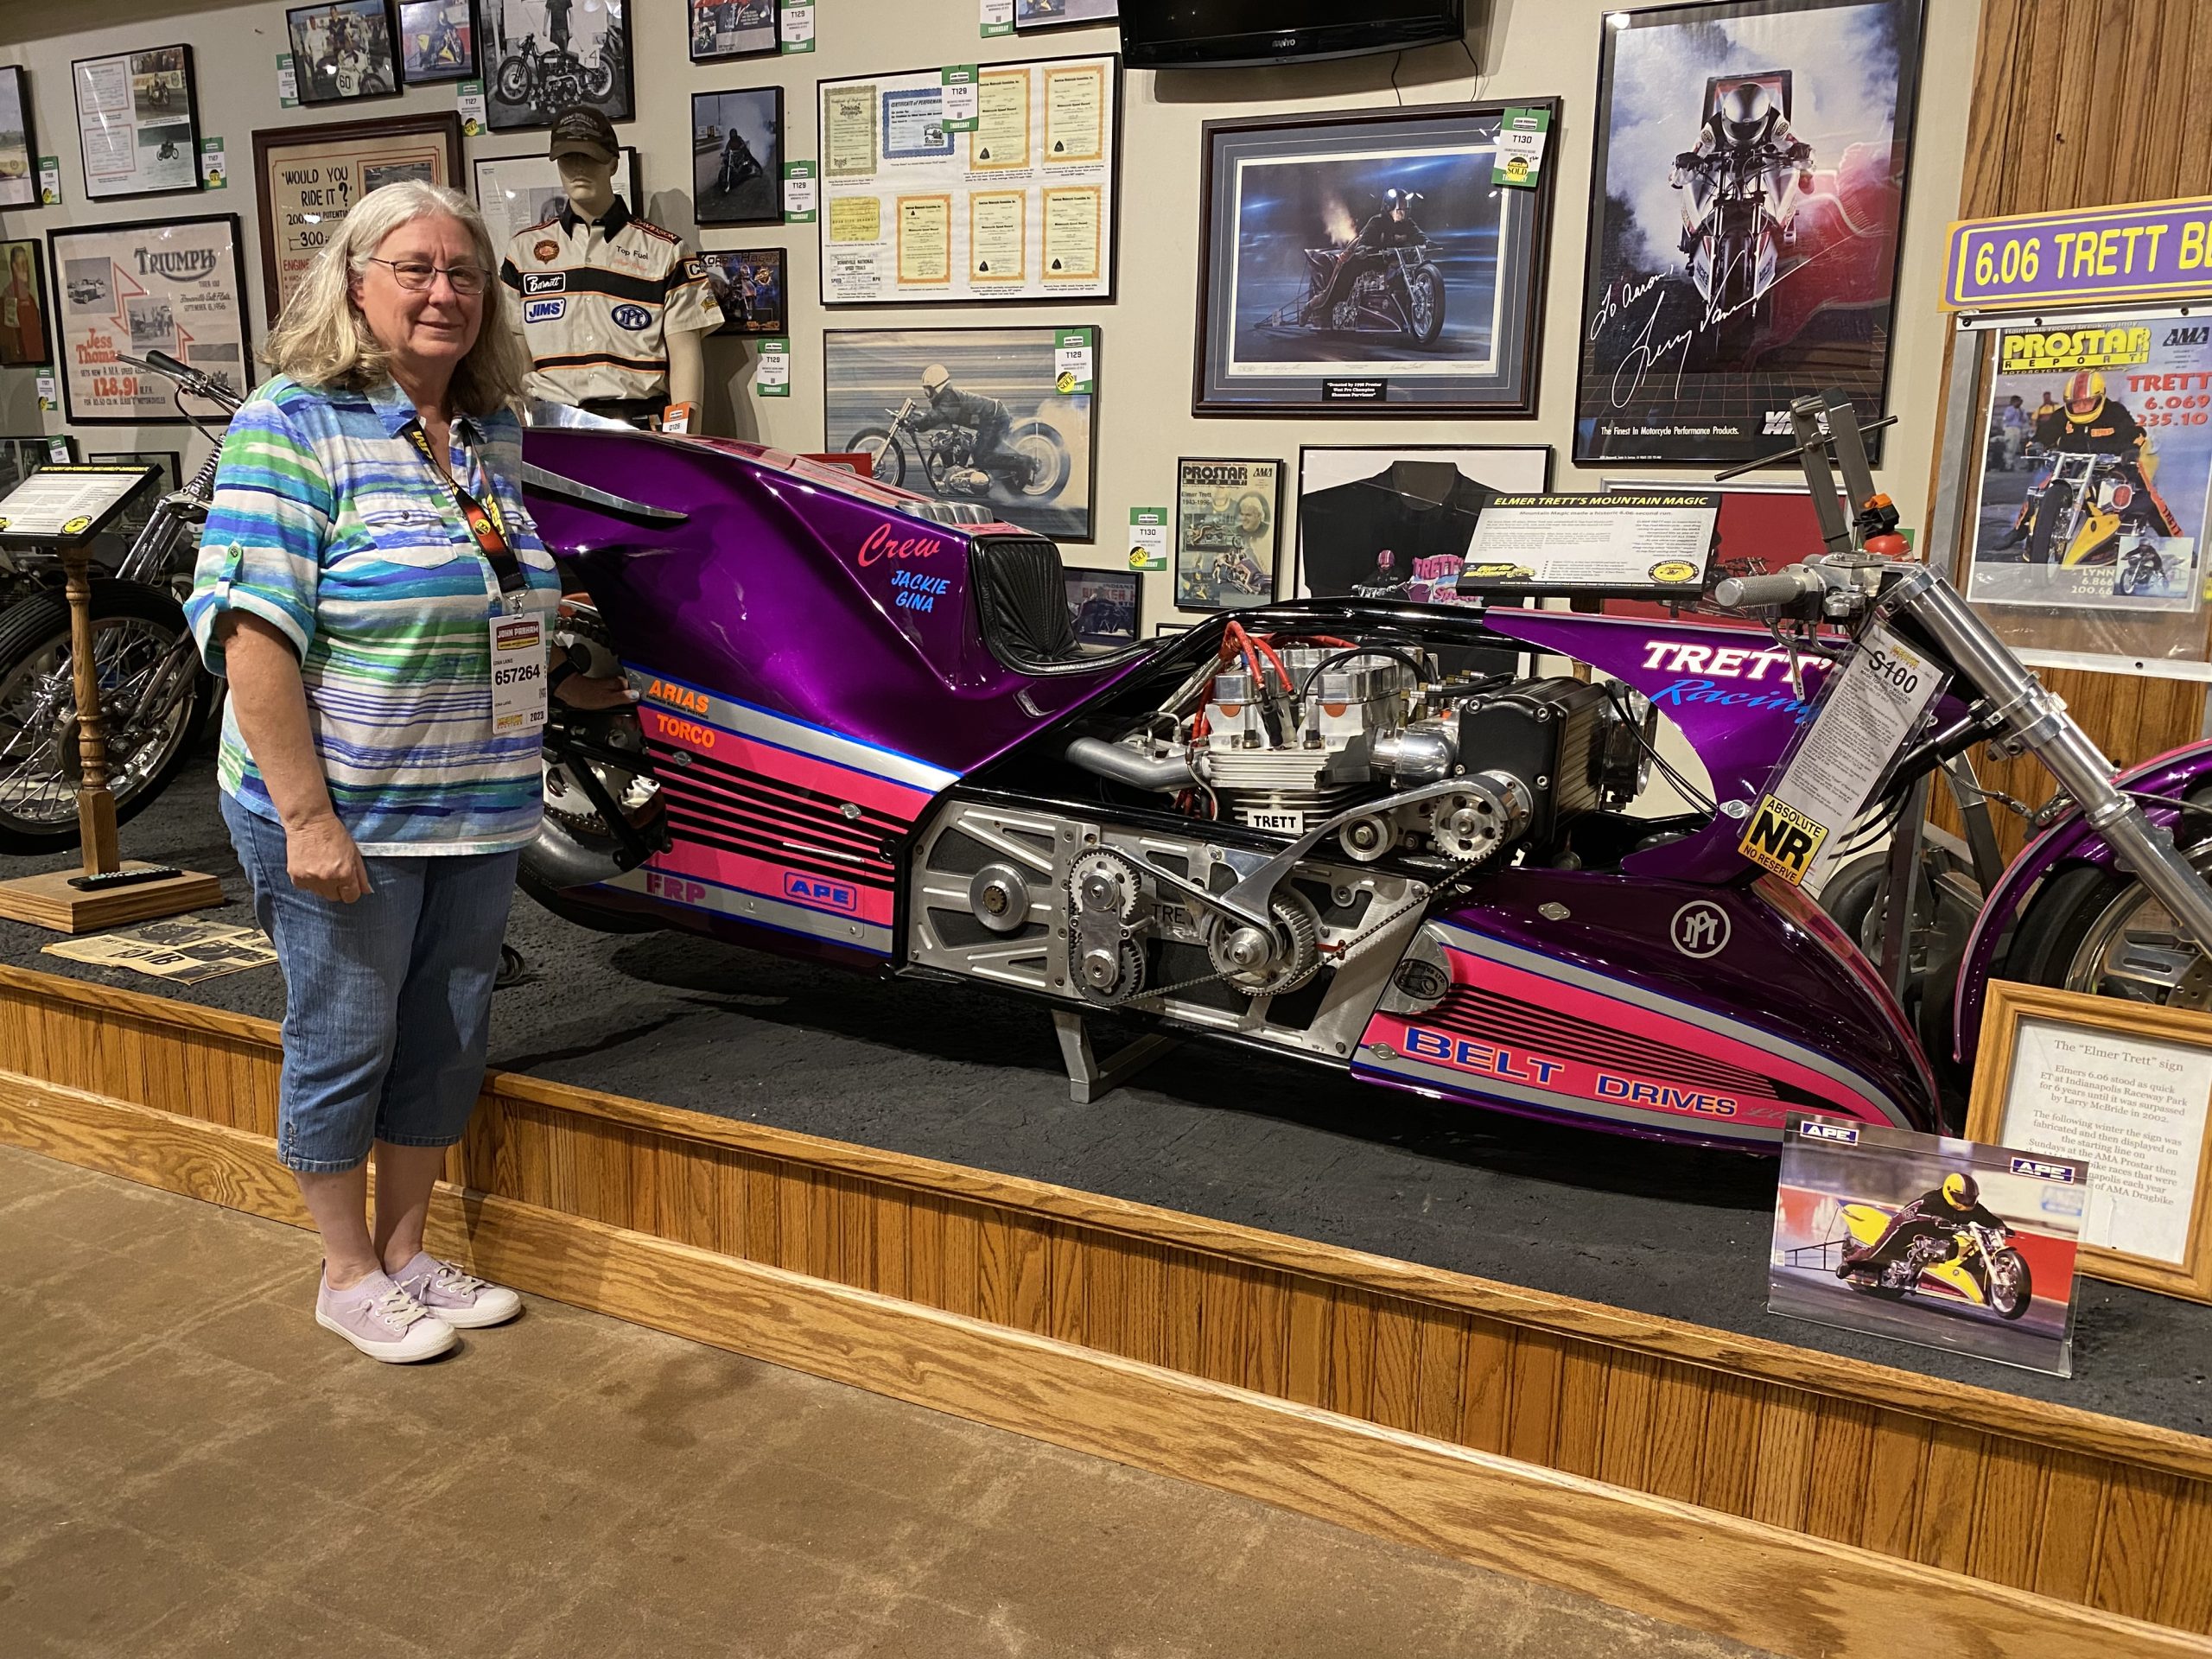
1866,712
517,675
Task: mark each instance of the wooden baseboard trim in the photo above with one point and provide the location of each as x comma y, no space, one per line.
1768,1586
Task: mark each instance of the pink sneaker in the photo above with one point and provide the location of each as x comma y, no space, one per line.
461,1300
383,1320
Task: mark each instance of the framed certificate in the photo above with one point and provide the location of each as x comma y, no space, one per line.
2124,1087
307,179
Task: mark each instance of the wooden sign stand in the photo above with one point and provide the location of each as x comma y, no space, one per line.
52,900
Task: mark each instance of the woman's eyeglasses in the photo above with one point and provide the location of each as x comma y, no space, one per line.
415,275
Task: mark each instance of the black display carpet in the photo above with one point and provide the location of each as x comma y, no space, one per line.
968,1078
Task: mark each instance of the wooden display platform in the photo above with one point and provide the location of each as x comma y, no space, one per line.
49,902
1793,1500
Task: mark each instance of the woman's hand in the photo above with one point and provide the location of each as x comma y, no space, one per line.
583,691
321,859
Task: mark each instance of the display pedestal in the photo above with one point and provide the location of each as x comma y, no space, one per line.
52,900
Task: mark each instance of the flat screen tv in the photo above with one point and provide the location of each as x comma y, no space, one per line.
1180,33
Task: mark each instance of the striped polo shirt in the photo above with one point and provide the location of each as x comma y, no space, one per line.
597,298
328,523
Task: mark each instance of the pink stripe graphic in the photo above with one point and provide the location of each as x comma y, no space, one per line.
832,895
843,782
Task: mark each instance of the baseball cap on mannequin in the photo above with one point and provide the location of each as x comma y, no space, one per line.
582,131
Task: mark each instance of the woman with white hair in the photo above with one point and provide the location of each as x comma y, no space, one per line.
373,589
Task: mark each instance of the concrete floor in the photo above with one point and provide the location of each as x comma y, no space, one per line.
963,1075
189,1466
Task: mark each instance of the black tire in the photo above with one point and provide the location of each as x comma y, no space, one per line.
1430,283
889,462
2024,1293
512,83
2056,920
1046,451
2055,501
39,626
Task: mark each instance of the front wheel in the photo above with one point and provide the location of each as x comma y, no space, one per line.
2011,1287
513,84
153,691
1425,306
2043,535
887,459
2092,929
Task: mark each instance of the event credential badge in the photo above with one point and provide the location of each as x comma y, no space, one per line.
517,675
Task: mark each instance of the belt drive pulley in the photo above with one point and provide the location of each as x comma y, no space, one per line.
1105,894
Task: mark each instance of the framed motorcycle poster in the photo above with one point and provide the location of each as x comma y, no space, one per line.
307,179
437,40
18,147
1022,205
541,56
737,157
749,288
1396,522
999,417
1228,526
175,285
1922,1239
731,29
515,192
344,50
138,122
1749,186
23,307
1363,263
1105,607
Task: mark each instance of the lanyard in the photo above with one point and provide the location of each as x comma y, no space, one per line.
482,521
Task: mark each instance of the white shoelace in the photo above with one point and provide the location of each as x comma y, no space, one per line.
450,1278
398,1309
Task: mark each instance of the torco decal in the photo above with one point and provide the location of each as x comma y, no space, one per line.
632,317
546,251
544,281
814,890
882,544
682,731
544,310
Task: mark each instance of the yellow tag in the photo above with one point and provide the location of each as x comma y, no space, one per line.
1674,570
1066,382
77,526
1782,839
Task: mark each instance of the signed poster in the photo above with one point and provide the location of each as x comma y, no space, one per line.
307,179
176,286
1744,246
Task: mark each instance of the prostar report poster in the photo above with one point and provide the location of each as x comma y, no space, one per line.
1743,245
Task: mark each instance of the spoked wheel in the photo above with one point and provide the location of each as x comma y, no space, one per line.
1425,305
886,457
1047,455
513,84
153,692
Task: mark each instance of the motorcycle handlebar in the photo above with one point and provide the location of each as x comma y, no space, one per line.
1751,593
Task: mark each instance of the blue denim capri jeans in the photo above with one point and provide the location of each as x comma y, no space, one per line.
387,1001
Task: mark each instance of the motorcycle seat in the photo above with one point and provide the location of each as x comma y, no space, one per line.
1021,597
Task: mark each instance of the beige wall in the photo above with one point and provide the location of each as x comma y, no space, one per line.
1529,48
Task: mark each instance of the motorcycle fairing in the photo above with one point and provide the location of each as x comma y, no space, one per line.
1596,1015
2070,841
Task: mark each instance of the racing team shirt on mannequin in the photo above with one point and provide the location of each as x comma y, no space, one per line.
597,300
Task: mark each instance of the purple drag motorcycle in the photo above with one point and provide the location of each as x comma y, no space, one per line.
1357,832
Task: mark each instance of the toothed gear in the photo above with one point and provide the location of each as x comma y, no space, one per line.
1128,981
1106,884
1295,915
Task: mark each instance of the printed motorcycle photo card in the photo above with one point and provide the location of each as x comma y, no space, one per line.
1924,1239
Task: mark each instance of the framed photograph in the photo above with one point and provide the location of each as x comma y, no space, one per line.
1362,262
344,50
2124,1086
22,306
1029,15
306,179
139,507
1920,1239
748,284
1228,521
737,157
541,56
990,426
731,29
174,285
138,122
18,145
515,192
20,458
1749,188
1023,208
437,40
1395,521
1105,607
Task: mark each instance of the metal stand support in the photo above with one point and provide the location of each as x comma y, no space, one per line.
1090,1078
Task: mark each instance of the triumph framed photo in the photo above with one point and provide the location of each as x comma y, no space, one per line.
737,157
515,192
307,179
344,51
749,286
541,56
18,144
437,40
1228,527
138,122
1363,263
1395,521
731,29
175,285
996,416
1750,184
